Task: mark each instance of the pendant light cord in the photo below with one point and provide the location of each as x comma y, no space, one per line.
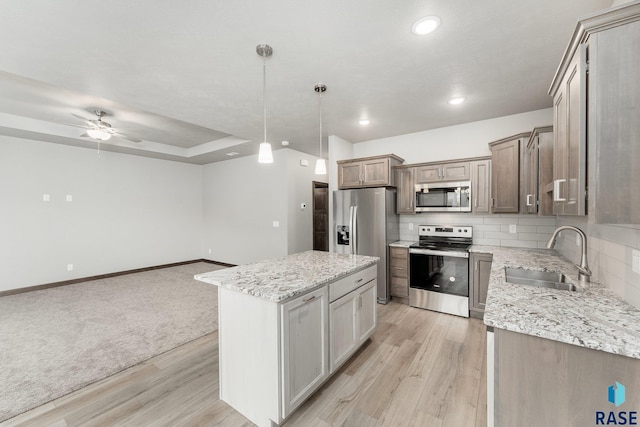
264,96
320,109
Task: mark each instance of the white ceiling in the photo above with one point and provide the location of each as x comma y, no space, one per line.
184,76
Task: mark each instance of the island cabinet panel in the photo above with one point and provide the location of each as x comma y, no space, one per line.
479,272
541,382
305,345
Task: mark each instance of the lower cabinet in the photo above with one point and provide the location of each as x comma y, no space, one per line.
479,272
399,273
304,347
352,319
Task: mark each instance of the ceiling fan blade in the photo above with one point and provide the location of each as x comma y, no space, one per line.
85,135
84,119
128,138
77,126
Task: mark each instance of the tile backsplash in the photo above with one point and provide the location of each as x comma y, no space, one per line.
610,252
530,231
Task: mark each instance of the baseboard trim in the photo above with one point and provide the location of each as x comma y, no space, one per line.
106,276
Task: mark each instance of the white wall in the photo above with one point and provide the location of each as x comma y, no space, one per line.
454,142
300,221
127,212
242,198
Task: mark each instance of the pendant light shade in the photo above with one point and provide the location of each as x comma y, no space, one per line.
321,165
264,154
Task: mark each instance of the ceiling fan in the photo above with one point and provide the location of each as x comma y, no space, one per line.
101,130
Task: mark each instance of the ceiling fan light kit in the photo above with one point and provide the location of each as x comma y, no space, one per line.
264,154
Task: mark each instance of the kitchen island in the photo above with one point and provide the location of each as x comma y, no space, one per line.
556,349
285,325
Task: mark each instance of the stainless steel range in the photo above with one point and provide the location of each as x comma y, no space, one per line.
439,269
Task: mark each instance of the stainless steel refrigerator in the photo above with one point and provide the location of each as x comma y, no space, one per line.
365,223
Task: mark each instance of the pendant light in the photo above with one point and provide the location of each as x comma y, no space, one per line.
264,155
321,166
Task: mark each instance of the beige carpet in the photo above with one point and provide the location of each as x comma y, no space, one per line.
58,340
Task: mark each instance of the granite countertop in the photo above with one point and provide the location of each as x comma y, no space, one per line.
593,316
279,279
402,244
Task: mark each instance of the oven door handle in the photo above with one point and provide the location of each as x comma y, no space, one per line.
452,254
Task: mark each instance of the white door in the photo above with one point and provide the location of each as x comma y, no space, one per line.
305,362
366,311
342,324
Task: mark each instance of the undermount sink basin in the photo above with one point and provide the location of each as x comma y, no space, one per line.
541,279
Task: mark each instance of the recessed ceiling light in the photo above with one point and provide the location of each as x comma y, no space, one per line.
233,153
364,122
425,25
456,101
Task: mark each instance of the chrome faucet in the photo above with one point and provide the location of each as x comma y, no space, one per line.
584,274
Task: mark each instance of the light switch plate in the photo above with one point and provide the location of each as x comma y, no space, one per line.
635,256
276,224
46,198
69,198
69,267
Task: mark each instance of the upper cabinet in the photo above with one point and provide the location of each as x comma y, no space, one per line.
480,185
598,115
434,172
368,172
505,173
405,199
614,119
538,172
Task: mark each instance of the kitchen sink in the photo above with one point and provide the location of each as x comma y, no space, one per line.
541,279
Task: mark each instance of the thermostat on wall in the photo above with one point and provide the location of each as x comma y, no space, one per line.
304,162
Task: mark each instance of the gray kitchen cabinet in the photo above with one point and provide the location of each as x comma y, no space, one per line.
598,115
538,172
479,272
505,173
443,171
399,273
376,171
614,124
405,202
480,185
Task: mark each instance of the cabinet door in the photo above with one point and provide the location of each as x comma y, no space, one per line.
350,175
342,324
305,342
376,172
481,186
406,191
480,270
505,177
455,171
432,173
366,310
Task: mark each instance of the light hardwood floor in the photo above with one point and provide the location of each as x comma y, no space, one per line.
420,368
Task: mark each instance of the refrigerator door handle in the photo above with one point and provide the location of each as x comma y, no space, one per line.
351,230
355,230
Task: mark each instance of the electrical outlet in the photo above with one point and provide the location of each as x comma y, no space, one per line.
69,267
635,256
46,198
209,251
410,226
513,229
276,224
69,198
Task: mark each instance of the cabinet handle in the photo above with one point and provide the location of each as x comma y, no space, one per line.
309,299
529,203
359,280
556,190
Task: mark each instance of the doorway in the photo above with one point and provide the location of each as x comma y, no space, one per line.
320,216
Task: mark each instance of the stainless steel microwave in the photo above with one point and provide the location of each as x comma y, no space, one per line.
443,197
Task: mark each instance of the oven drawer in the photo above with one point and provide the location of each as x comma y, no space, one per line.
344,286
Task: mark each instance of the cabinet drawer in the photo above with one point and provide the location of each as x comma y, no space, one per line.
399,253
398,262
347,284
399,287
